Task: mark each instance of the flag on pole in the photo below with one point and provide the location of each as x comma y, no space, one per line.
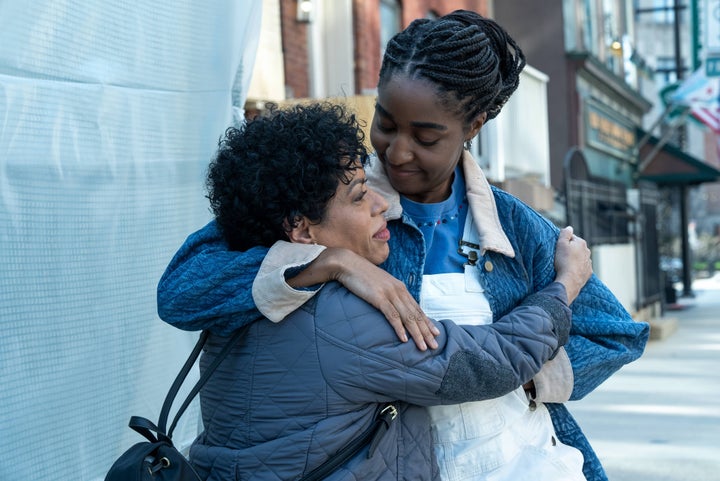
702,94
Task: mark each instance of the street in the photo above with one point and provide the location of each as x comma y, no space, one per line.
659,418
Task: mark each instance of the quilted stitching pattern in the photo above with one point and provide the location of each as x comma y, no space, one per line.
294,393
292,419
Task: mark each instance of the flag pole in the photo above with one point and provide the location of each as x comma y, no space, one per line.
641,143
676,122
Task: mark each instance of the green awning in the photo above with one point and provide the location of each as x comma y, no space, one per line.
672,166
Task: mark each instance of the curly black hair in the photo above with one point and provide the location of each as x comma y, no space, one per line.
274,170
468,58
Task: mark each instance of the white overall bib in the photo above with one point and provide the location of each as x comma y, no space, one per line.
497,439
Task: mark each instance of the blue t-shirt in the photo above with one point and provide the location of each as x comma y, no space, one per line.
442,226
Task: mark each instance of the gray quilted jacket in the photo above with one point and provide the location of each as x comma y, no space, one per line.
293,393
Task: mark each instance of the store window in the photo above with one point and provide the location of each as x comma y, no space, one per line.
664,11
665,70
589,26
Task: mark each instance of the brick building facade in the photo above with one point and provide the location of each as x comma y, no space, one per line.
366,35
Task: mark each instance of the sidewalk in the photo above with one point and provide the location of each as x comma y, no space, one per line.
658,419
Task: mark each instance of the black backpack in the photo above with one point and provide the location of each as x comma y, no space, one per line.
157,459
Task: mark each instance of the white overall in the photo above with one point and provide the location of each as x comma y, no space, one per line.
498,439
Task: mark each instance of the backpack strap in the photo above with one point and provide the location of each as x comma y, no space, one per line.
145,427
372,435
164,435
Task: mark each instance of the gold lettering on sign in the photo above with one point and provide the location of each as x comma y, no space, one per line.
611,133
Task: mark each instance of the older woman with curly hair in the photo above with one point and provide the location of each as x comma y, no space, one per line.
293,396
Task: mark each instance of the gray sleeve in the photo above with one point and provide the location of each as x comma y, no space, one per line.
363,361
553,300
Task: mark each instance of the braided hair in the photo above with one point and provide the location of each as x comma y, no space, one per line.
466,56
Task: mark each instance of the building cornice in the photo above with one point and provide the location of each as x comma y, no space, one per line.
586,62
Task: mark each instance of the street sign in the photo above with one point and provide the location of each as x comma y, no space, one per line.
712,66
712,25
712,38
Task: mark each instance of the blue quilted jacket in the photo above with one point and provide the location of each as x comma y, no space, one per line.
290,394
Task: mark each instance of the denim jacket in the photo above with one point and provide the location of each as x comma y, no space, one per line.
517,258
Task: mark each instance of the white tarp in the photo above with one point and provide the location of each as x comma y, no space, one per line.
109,114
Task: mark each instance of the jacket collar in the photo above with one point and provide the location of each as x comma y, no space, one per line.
484,211
480,199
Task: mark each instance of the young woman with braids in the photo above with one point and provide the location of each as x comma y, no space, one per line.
465,250
291,394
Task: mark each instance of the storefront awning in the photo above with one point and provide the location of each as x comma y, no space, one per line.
672,166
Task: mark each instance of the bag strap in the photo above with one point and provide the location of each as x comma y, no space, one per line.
167,405
145,427
372,435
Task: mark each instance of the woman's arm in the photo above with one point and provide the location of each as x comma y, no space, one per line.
361,361
603,339
289,270
604,336
207,286
573,266
276,297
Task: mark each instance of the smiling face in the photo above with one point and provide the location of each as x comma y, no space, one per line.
418,139
353,220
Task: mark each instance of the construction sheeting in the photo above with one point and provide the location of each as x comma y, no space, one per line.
109,114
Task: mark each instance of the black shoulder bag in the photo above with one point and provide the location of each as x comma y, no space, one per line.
159,460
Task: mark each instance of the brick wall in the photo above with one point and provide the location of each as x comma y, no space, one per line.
366,23
420,8
295,52
367,31
366,26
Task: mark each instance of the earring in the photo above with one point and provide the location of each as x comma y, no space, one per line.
468,144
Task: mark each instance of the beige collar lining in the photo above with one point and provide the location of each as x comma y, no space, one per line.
480,199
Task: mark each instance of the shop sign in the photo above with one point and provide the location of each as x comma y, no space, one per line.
610,132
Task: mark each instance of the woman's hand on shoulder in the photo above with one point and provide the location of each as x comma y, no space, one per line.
573,265
384,292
